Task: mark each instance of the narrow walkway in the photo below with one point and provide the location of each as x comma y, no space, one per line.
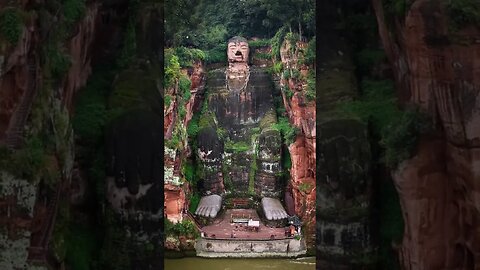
16,127
39,243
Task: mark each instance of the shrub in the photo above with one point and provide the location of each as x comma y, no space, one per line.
11,25
187,56
168,100
259,43
193,128
277,67
194,201
288,131
310,53
311,89
129,45
217,54
172,68
400,138
265,56
277,41
59,63
184,85
73,10
236,147
463,12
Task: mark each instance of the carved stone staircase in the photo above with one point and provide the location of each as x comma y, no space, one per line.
16,127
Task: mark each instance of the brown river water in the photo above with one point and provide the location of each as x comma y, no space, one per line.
196,263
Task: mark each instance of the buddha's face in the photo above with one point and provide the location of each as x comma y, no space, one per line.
238,51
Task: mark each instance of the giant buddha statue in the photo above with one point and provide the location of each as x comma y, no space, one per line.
239,151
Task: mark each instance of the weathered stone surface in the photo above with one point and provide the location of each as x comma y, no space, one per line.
439,187
344,180
244,249
134,166
175,202
239,112
302,114
273,209
209,206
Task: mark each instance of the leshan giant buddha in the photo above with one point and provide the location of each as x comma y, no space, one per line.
238,148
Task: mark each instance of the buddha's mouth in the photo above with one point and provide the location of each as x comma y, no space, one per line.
239,55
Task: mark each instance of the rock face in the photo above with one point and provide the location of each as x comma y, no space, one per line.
176,190
439,186
238,137
302,114
344,180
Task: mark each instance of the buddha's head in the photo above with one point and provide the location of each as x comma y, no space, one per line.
237,50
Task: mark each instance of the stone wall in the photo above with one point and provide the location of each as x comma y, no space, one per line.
215,248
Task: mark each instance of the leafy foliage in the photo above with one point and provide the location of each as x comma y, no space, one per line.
401,138
187,56
463,12
311,89
184,84
194,201
288,131
236,147
184,228
129,45
73,10
399,130
259,43
172,68
11,25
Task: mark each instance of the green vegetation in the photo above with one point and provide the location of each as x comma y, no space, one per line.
311,93
400,138
397,7
60,232
184,84
463,13
194,201
310,53
81,247
252,173
189,172
73,10
129,48
172,68
204,24
217,54
391,224
58,62
115,251
259,43
11,25
236,147
277,41
187,56
288,131
265,56
366,59
305,187
90,111
184,228
399,130
168,101
193,126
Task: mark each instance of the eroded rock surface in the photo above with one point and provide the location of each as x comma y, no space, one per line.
437,69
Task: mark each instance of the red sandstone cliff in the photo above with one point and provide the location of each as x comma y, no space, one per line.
439,186
176,193
301,113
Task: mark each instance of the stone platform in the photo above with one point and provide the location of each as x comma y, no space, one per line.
222,227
